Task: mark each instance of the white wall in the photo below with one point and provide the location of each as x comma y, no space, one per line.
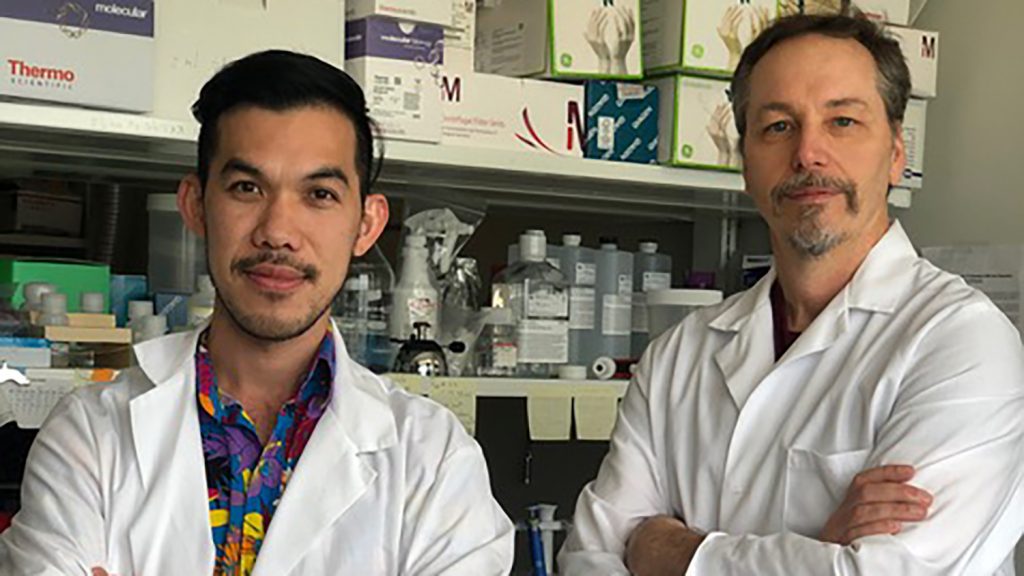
974,158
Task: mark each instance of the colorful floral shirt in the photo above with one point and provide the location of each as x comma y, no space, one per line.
245,480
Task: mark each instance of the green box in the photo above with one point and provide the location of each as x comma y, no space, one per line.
71,278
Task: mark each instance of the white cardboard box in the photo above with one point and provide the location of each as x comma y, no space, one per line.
399,65
427,11
914,122
891,11
921,49
460,37
191,49
696,124
485,110
701,36
97,54
561,39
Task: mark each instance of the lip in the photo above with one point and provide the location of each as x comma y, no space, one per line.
278,279
812,195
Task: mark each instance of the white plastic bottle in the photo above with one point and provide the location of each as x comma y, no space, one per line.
613,324
651,271
55,313
417,297
577,263
538,295
200,304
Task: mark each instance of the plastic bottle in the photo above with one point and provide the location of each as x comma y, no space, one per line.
538,295
151,327
137,311
613,323
92,303
55,313
416,294
578,265
496,348
200,304
363,311
33,293
651,271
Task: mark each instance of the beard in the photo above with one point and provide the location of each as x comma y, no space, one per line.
812,239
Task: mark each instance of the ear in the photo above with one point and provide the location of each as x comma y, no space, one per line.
899,157
190,204
374,219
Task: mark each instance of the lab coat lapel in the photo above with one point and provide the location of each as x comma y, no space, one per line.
748,357
172,533
330,476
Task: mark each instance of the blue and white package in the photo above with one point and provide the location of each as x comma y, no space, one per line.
622,122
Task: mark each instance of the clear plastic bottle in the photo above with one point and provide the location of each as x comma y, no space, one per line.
538,295
363,311
611,334
651,271
578,265
496,349
417,298
200,304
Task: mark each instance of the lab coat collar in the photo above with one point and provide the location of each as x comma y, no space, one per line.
328,480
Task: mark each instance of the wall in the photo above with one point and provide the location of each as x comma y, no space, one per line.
973,154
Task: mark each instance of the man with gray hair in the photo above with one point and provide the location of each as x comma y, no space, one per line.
859,411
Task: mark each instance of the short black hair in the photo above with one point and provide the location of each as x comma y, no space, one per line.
280,80
850,23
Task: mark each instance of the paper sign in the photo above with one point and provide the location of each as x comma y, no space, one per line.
549,411
459,396
412,383
32,404
595,408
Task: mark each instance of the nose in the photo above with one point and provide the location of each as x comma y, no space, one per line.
811,151
278,227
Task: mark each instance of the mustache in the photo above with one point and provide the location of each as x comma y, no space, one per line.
243,265
804,180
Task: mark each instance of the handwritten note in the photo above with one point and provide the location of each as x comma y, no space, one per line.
459,396
549,412
595,408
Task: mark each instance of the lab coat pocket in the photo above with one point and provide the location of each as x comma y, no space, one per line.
815,486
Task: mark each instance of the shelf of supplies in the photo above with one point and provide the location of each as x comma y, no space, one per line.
516,387
40,241
57,140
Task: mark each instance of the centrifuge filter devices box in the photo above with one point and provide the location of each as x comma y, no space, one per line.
560,39
622,122
97,54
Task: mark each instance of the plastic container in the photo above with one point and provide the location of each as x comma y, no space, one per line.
538,295
651,271
363,311
496,348
176,255
55,310
200,304
417,298
666,308
93,303
33,293
614,294
578,265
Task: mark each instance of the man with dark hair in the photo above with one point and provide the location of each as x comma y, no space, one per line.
857,412
254,444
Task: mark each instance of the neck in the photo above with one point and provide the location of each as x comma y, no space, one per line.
809,284
254,370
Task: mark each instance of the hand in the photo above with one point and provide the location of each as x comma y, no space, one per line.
762,20
788,8
624,33
729,32
878,502
661,546
99,572
718,130
594,34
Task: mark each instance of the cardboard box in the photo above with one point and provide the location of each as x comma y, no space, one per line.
195,38
891,11
484,110
921,49
22,353
97,54
561,39
43,212
914,122
70,277
460,37
697,127
398,64
622,122
427,11
701,36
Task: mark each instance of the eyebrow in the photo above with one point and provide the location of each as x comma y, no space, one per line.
323,173
329,173
239,165
831,104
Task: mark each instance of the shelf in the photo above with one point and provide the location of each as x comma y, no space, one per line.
517,387
44,140
40,241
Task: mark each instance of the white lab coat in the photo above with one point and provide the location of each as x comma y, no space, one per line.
389,483
907,365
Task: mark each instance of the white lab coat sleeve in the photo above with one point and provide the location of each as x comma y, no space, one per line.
59,529
959,419
457,526
627,489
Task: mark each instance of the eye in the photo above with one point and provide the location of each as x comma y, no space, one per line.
245,187
779,127
323,195
844,122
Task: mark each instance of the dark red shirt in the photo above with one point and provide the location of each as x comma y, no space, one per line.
784,337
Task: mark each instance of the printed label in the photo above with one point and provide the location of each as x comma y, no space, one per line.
586,274
616,315
582,308
656,281
543,341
